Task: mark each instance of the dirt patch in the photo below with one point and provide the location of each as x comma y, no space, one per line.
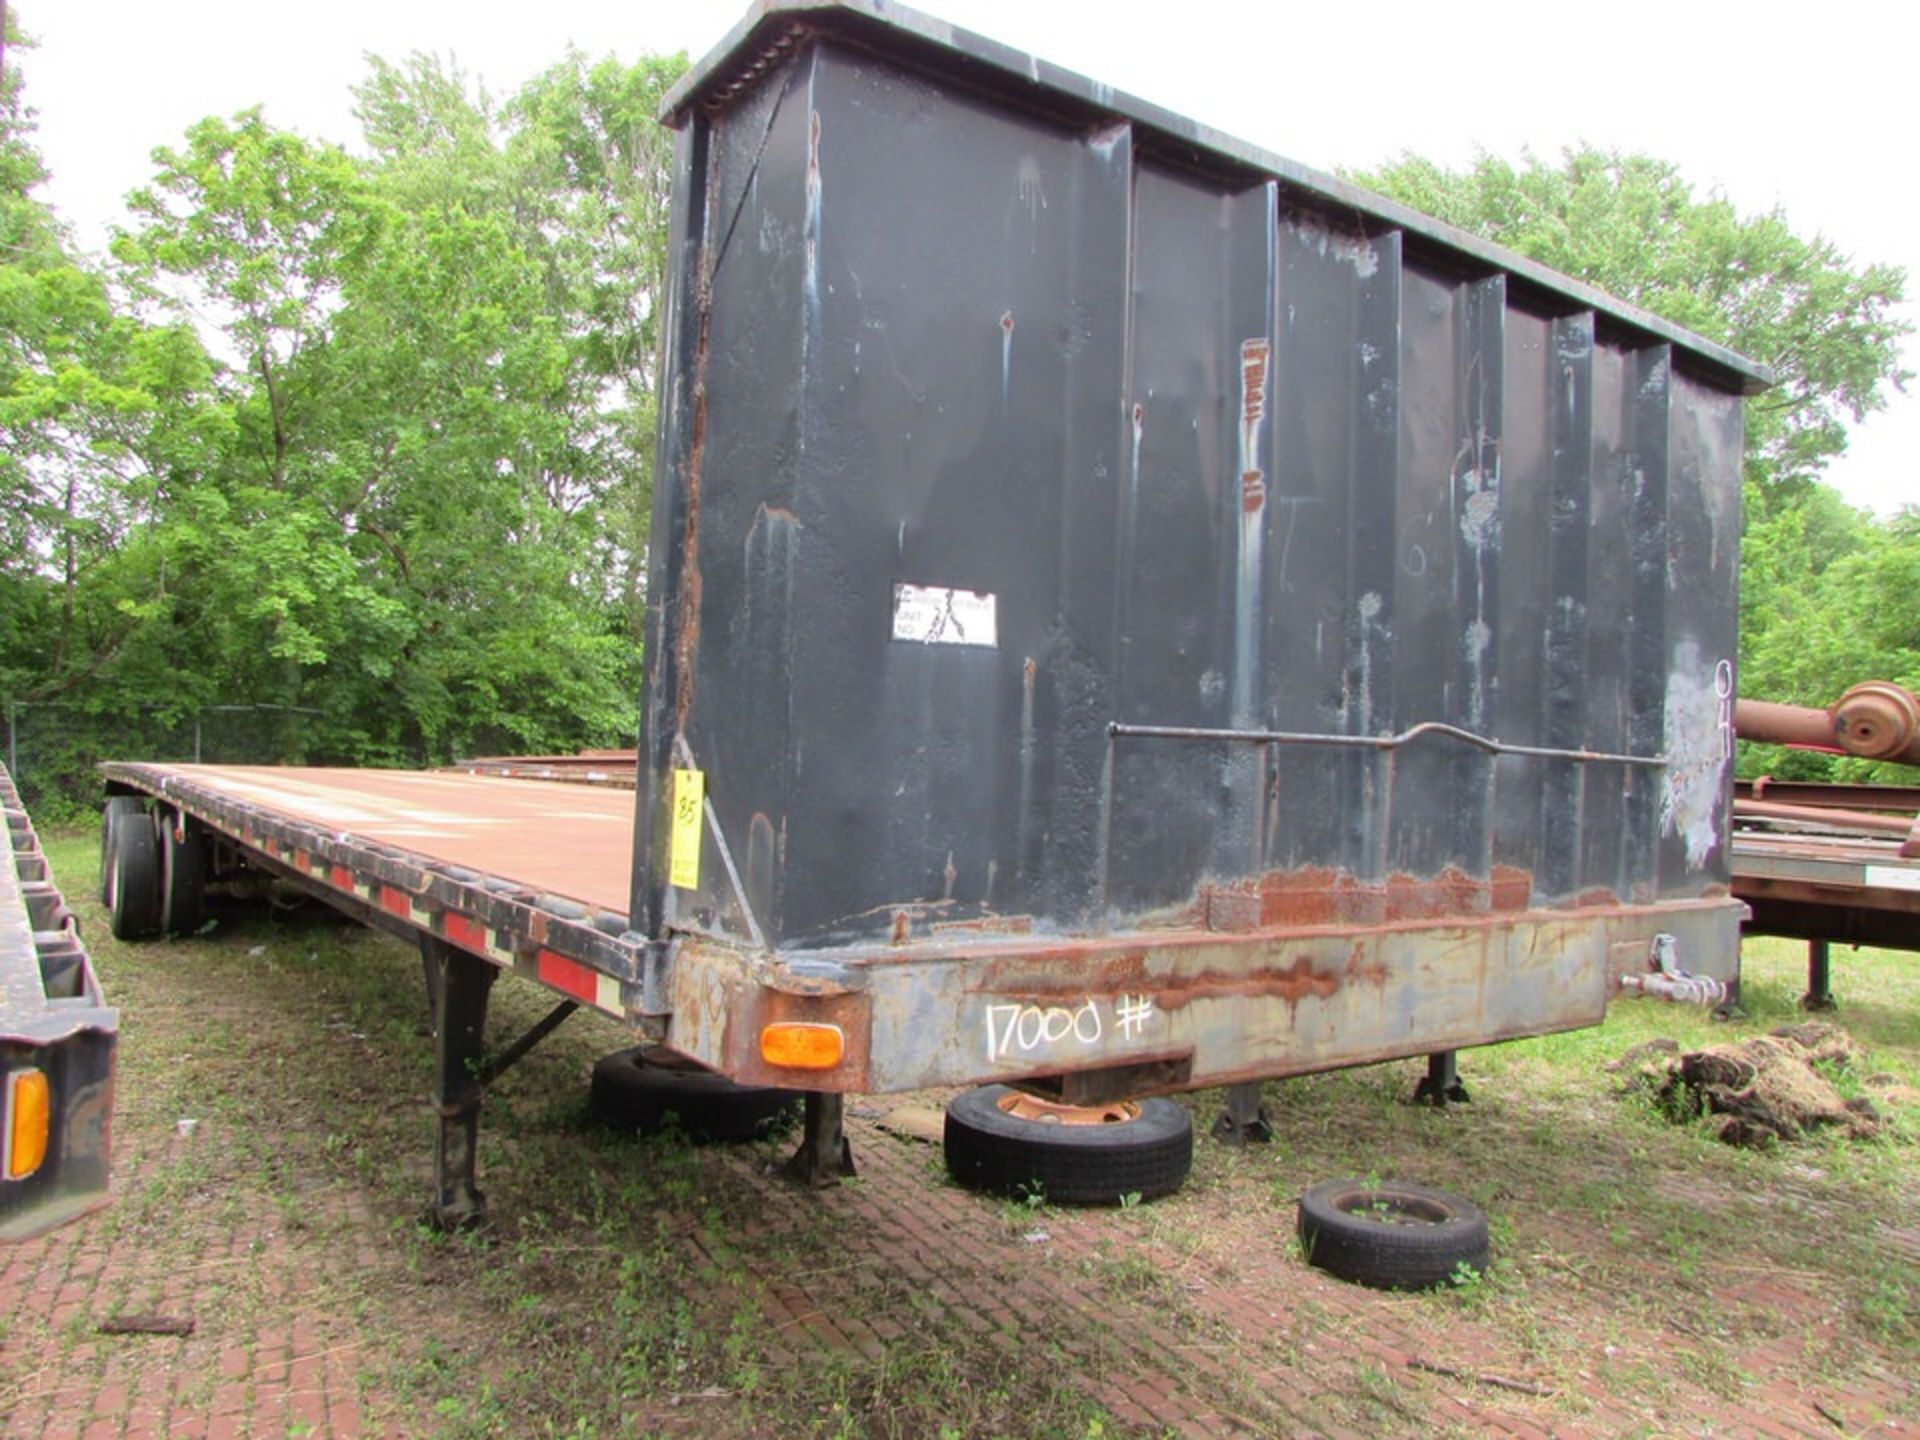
1768,1088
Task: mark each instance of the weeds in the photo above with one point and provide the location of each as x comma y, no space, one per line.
639,1287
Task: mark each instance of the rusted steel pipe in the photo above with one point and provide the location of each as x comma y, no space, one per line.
1907,827
1818,815
1877,720
1835,795
1775,724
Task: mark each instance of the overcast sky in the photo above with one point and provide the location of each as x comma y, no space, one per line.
1815,116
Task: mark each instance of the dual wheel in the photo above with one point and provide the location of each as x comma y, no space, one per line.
153,870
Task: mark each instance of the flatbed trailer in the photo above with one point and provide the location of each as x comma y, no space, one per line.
1828,883
1127,613
57,1041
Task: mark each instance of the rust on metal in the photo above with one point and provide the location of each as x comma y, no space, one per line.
1833,817
687,639
1315,896
1512,888
1043,1111
985,925
1898,799
1827,871
749,1008
1876,720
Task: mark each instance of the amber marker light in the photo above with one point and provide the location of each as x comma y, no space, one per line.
802,1045
29,1111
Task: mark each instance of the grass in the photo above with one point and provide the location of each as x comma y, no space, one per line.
636,1287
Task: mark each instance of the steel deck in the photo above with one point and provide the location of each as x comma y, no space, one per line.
561,839
1813,884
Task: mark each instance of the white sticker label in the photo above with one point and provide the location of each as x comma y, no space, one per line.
932,615
1892,877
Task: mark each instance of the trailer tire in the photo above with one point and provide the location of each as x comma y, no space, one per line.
183,874
116,809
133,910
1391,1235
1147,1154
649,1089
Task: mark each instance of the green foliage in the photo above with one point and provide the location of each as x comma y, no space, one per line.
368,438
1829,597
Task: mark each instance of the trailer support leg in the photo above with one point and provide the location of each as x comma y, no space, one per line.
1245,1118
1819,994
824,1154
457,988
1442,1083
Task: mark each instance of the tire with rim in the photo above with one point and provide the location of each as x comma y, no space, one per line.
1005,1143
183,874
649,1089
1392,1235
117,808
133,909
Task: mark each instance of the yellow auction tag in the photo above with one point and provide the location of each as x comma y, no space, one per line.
689,795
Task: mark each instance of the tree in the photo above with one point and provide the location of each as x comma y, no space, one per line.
92,423
425,520
403,483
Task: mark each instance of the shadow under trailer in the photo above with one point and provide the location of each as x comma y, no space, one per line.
1129,613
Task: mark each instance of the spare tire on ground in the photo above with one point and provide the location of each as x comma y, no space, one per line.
649,1089
1005,1142
1391,1235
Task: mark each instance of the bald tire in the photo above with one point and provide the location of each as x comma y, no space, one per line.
1000,1154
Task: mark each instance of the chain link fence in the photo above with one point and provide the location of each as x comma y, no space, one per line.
52,748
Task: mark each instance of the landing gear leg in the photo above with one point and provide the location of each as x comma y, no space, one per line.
1442,1086
1819,994
458,985
824,1155
1245,1118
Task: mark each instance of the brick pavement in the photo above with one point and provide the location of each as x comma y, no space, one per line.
275,1349
1264,1345
1167,1334
1173,1328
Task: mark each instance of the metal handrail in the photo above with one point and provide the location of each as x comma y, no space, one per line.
1118,730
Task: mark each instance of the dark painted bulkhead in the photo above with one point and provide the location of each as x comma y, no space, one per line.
1228,453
